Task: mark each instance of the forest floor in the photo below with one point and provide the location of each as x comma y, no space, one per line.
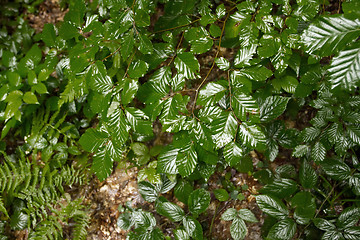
104,198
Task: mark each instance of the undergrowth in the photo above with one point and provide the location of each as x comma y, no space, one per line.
225,81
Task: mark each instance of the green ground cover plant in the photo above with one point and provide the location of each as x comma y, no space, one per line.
221,79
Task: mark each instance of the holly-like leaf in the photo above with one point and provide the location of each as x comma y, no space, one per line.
272,206
199,201
273,107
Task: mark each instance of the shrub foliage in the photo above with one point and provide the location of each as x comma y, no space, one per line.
183,90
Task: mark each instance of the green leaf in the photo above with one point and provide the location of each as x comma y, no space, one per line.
148,191
318,152
330,34
39,88
127,45
323,224
243,105
199,40
138,69
251,135
98,78
229,215
306,10
256,73
222,63
352,233
116,125
187,64
211,92
199,201
187,159
305,207
19,220
166,184
138,121
182,191
102,162
48,35
233,153
344,69
238,229
193,228
68,30
244,55
139,149
220,11
273,107
145,46
247,215
142,18
92,139
280,188
272,206
167,160
224,129
14,102
30,98
221,194
336,169
171,211
282,230
124,221
307,175
181,234
348,217
215,31
130,89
